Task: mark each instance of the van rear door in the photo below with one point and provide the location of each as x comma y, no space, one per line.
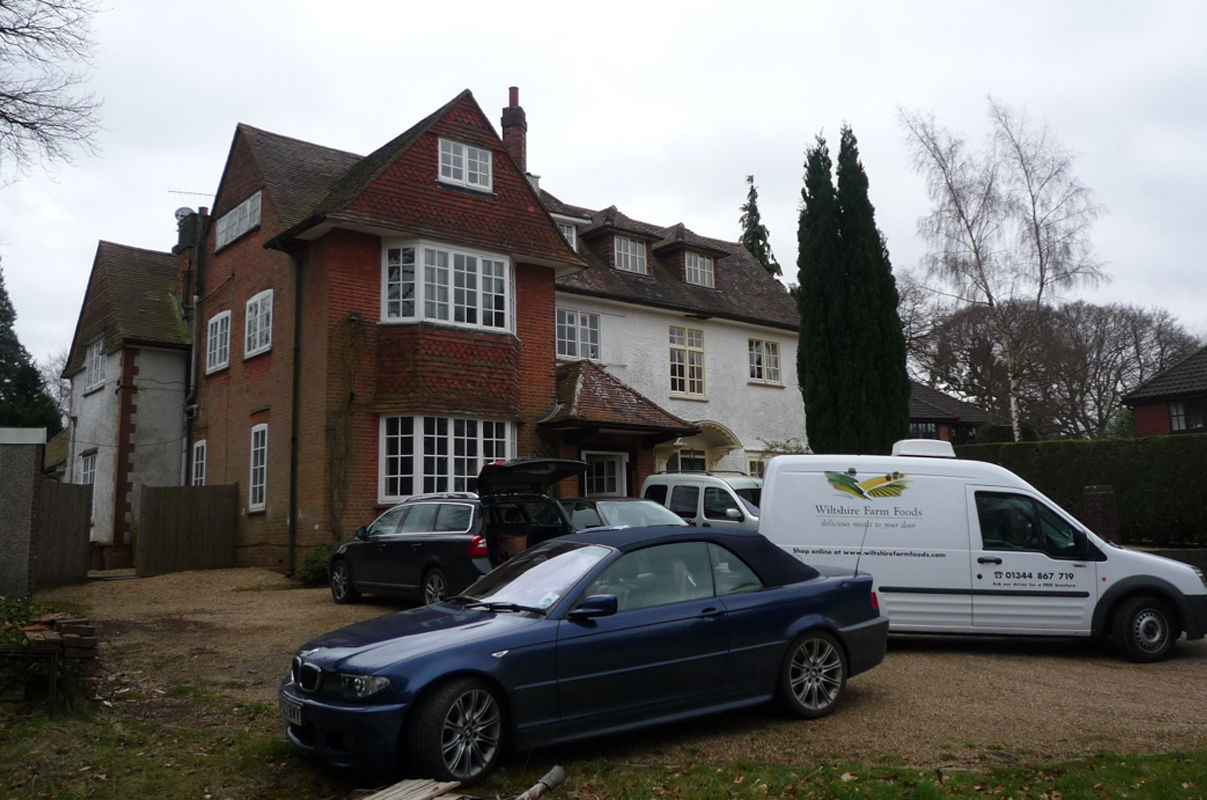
1032,569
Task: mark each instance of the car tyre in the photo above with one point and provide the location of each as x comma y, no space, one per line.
435,586
456,733
1145,628
341,583
813,675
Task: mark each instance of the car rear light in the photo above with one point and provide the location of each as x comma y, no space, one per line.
875,601
477,548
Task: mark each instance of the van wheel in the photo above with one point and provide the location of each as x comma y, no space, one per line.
341,583
1145,628
813,675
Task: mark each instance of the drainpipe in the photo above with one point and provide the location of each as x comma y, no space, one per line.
295,403
191,379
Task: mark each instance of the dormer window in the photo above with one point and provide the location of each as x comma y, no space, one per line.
699,270
570,233
238,221
630,255
463,165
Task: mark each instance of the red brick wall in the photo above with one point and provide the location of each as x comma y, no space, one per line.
1151,420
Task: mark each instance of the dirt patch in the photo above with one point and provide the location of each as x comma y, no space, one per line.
934,701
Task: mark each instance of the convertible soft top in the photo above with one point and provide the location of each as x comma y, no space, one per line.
774,566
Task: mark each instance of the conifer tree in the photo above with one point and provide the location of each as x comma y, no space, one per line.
754,232
878,385
821,301
23,402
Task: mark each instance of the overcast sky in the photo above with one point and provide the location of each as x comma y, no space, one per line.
661,108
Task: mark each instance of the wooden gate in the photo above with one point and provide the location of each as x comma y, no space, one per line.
186,527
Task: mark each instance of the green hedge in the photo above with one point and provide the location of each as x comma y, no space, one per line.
1156,481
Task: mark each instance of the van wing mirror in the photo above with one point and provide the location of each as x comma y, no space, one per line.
733,513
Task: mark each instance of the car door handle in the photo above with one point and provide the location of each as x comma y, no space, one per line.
705,525
712,613
988,560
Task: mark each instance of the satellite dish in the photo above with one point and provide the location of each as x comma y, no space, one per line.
183,212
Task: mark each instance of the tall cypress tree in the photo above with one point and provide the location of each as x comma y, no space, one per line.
821,301
754,232
877,402
23,400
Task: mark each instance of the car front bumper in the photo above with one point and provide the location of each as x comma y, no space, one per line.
345,734
1196,616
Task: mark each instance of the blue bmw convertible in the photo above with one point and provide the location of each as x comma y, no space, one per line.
584,635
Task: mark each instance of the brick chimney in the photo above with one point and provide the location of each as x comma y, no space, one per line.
515,130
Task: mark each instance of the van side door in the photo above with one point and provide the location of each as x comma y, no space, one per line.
1033,569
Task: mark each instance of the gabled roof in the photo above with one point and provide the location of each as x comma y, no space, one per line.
1187,378
588,396
927,404
744,291
297,174
129,301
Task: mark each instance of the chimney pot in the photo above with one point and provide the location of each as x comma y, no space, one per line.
513,96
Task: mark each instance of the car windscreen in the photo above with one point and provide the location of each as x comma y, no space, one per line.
752,496
637,514
538,577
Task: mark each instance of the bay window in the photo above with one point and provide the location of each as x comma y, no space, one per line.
459,287
422,454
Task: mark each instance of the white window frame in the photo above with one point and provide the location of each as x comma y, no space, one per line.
763,356
88,468
686,361
465,165
257,477
257,324
569,233
699,270
238,221
423,281
199,452
218,342
421,454
1177,416
619,461
630,255
578,334
94,365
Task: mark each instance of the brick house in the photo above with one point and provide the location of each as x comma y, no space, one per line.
1172,401
128,366
935,415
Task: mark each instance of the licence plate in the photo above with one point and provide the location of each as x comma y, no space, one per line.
292,712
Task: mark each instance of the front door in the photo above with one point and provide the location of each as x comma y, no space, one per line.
1031,571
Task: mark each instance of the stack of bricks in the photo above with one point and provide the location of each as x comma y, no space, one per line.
62,633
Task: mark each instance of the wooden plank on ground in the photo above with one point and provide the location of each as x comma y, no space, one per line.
418,789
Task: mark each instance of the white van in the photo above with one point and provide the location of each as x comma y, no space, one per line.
959,546
708,499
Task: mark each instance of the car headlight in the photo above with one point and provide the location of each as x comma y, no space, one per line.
362,686
1201,577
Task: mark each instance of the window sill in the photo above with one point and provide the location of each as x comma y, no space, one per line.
767,384
253,511
93,389
210,371
467,188
253,353
699,398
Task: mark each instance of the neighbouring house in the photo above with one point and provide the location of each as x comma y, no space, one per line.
935,415
367,328
128,366
695,324
1172,401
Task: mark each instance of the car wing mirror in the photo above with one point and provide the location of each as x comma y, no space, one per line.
596,605
733,513
362,532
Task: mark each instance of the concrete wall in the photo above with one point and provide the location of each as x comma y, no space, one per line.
20,464
634,348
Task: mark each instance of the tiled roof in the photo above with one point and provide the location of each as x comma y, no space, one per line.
588,395
1186,378
129,301
297,174
744,291
930,404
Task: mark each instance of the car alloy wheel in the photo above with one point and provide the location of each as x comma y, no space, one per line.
457,732
814,674
435,586
341,583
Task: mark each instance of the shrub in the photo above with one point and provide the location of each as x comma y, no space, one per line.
313,571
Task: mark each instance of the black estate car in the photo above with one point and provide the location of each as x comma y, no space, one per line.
432,546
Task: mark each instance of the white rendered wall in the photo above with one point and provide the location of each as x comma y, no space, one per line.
158,421
94,429
634,347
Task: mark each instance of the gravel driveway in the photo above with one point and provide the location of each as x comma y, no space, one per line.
951,702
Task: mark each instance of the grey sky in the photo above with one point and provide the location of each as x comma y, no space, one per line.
660,108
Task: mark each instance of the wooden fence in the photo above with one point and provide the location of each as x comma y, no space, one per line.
60,544
189,527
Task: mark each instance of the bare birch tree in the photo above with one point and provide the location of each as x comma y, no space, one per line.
1009,225
45,112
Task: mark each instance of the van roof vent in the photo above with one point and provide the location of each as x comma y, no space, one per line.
927,448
